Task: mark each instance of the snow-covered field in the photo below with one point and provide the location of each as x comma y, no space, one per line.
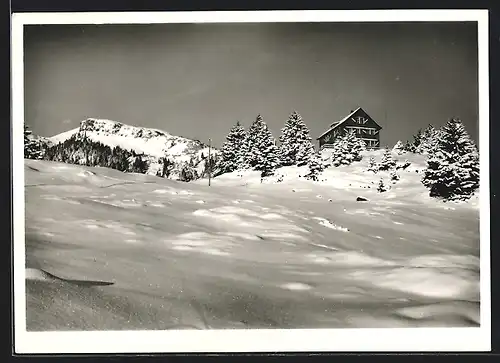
246,254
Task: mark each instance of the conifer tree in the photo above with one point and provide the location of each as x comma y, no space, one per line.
269,160
251,150
372,164
394,176
453,168
296,146
242,152
398,147
412,146
231,149
340,152
261,150
167,166
387,162
428,140
140,165
305,153
315,166
417,139
347,149
32,149
408,146
381,186
187,172
212,166
358,146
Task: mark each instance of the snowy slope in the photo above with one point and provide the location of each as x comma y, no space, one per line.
241,254
152,142
354,178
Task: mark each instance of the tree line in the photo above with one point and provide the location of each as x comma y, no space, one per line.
452,170
83,151
257,149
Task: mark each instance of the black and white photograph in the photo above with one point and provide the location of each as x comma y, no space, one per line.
251,181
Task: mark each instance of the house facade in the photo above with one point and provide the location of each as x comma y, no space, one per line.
358,120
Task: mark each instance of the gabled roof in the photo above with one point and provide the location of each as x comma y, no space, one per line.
324,133
338,123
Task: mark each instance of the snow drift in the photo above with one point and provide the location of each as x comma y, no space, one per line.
246,254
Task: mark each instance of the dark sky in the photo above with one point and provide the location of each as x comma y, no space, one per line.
197,80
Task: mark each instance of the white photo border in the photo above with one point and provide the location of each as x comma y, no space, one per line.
253,340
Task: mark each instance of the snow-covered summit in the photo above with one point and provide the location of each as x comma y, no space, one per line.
153,143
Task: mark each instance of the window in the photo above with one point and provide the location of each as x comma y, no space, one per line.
360,120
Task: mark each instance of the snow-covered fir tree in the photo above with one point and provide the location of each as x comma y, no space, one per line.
428,140
453,168
417,139
188,172
372,164
358,147
211,166
32,148
347,149
398,147
337,151
326,159
394,176
230,153
250,146
412,146
269,161
296,146
408,146
167,166
387,162
381,186
261,151
305,153
241,155
315,166
140,165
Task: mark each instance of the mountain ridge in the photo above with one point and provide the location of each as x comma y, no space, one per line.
154,144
